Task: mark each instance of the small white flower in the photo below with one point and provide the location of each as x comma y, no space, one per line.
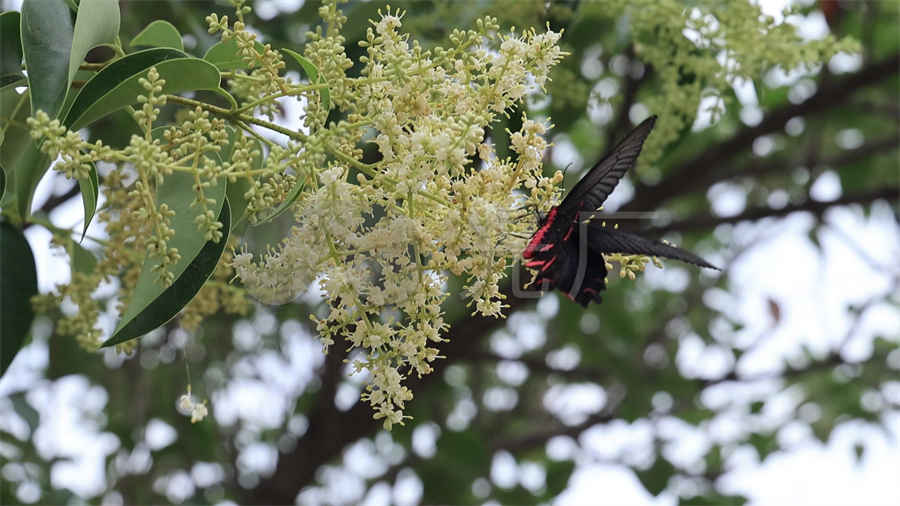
199,412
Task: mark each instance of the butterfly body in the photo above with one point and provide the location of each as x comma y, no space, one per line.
567,248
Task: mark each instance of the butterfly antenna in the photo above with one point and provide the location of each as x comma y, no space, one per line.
566,171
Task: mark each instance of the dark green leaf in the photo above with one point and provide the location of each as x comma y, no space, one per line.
46,43
29,168
117,86
313,74
463,448
558,474
10,45
18,283
22,161
25,410
152,304
765,444
714,500
159,33
90,187
97,23
713,460
656,478
514,495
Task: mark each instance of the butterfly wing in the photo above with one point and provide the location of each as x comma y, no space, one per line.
591,191
604,240
580,275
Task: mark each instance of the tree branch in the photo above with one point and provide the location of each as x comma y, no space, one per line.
704,221
695,173
330,430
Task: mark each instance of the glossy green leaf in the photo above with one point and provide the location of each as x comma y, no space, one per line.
18,283
46,43
312,73
117,86
22,161
83,261
153,304
10,45
159,33
97,23
226,56
29,168
90,189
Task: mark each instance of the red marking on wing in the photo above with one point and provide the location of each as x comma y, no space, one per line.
534,263
569,232
538,237
548,264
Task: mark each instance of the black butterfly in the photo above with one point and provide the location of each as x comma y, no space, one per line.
554,249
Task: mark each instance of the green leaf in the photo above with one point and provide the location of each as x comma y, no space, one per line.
10,45
11,81
714,499
22,161
765,444
22,408
97,23
90,188
558,474
159,33
83,261
656,478
463,448
46,43
226,56
117,86
18,283
313,74
152,304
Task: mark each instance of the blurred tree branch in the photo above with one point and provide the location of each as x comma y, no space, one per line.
704,169
705,221
55,201
762,166
330,430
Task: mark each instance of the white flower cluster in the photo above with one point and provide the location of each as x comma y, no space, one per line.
438,202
